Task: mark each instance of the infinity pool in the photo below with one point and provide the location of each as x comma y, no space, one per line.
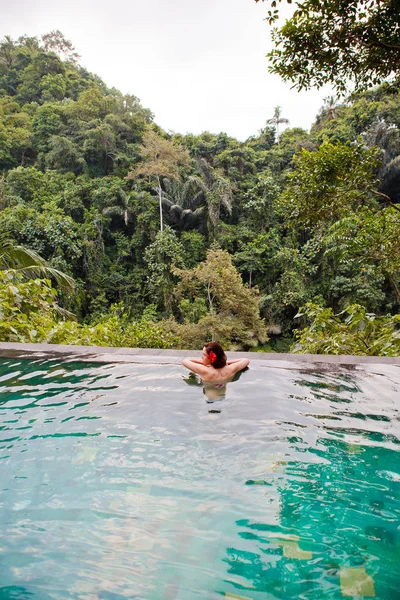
128,481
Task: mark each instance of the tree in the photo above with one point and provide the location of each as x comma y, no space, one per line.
233,311
123,205
162,159
331,107
329,184
54,41
326,41
165,253
258,255
29,313
100,148
369,238
216,191
277,120
46,122
64,155
181,200
259,200
15,135
43,66
53,87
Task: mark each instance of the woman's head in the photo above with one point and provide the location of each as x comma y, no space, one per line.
213,354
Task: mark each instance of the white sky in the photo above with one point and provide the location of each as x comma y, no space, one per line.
198,66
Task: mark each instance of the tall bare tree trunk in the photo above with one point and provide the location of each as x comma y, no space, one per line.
160,201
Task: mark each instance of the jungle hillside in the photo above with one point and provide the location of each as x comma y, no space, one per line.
118,233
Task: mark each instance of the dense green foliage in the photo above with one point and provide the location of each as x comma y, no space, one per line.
29,314
326,41
354,331
175,239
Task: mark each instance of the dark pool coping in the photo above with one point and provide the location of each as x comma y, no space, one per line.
104,354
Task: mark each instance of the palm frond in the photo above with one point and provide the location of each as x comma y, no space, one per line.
176,211
64,313
29,263
167,202
113,210
45,272
200,183
200,211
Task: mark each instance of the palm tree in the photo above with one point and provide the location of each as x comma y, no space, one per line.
390,182
385,136
28,263
331,107
123,205
7,52
163,159
276,121
216,192
181,199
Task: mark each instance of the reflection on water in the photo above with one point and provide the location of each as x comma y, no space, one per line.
117,482
214,392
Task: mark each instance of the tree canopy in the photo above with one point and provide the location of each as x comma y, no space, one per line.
326,41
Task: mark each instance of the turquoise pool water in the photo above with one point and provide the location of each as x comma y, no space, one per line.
121,481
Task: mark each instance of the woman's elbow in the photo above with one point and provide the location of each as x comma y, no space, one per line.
245,363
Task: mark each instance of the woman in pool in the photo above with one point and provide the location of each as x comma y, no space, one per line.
213,365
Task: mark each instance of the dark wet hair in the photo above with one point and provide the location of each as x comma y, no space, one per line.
220,361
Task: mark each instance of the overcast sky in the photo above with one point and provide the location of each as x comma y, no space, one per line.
198,66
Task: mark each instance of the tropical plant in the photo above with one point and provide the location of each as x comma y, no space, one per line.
320,227
353,331
54,41
124,205
329,184
162,159
181,201
29,313
165,253
277,120
20,261
216,192
331,107
369,238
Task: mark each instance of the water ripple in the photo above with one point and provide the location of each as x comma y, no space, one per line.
117,482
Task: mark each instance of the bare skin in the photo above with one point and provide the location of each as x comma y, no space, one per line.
207,372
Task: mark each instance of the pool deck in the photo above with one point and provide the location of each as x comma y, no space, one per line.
157,356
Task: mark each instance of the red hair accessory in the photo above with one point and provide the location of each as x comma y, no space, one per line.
212,356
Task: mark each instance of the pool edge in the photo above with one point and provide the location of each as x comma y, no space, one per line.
155,355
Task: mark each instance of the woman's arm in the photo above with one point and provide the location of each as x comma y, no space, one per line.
195,365
238,360
238,364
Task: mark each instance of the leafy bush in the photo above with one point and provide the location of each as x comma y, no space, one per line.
29,313
353,331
